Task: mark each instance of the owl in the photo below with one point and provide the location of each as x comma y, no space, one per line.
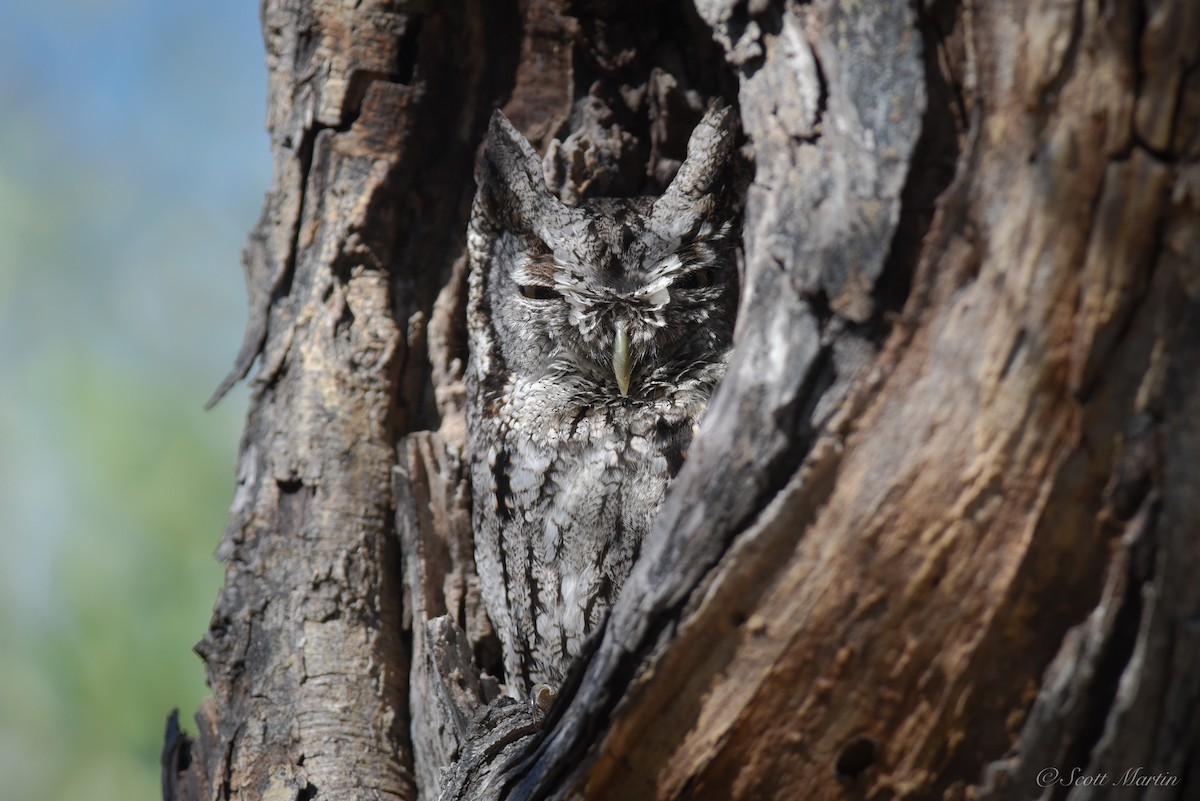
597,333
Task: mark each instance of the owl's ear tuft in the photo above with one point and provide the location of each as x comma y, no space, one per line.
509,175
702,178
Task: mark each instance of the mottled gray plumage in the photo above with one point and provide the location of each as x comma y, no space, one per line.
597,334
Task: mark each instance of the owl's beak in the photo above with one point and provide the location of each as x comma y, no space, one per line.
622,362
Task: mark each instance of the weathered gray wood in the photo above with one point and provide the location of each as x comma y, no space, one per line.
499,734
442,603
307,655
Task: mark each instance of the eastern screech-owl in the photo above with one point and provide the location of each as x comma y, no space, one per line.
597,335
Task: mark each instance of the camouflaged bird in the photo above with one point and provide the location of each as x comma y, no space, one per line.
597,334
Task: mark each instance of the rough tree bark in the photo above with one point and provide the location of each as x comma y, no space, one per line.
941,532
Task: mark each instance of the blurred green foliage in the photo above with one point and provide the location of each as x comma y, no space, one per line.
132,164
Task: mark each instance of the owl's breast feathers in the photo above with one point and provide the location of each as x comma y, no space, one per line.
574,496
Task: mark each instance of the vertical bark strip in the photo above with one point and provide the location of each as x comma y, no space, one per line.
369,105
939,532
304,650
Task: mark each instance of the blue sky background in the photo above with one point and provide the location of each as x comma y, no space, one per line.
133,163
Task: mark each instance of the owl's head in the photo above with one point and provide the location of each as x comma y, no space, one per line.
616,299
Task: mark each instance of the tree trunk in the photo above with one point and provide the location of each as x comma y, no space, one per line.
940,536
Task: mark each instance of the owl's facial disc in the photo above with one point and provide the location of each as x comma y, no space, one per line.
626,313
